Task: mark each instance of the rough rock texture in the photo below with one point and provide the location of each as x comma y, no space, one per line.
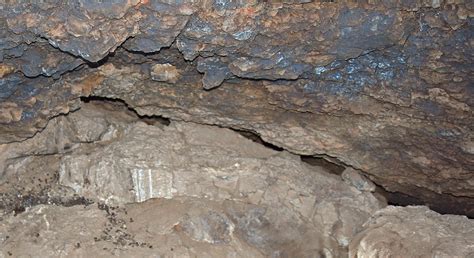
359,181
383,86
171,228
414,231
229,195
359,140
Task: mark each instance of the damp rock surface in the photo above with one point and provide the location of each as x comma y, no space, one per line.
414,231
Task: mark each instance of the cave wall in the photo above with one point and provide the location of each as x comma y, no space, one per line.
383,86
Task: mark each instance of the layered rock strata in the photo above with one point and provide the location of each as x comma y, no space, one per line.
385,87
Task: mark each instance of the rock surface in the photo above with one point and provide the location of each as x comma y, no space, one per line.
228,195
356,179
156,228
356,134
213,193
414,231
385,87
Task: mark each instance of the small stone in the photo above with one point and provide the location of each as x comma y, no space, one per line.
435,3
5,70
165,73
10,112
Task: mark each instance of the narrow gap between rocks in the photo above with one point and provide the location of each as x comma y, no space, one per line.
257,139
334,166
304,135
331,165
151,120
328,163
445,205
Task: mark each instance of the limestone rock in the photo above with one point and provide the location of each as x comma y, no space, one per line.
194,160
356,179
165,73
269,198
99,230
414,231
385,87
301,117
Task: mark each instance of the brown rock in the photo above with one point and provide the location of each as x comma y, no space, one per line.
383,87
226,193
5,70
10,112
356,179
414,231
165,73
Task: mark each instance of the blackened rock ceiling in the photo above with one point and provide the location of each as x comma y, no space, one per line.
384,86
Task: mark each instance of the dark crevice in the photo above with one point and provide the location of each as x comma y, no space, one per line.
100,62
330,164
256,138
446,204
146,54
151,120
